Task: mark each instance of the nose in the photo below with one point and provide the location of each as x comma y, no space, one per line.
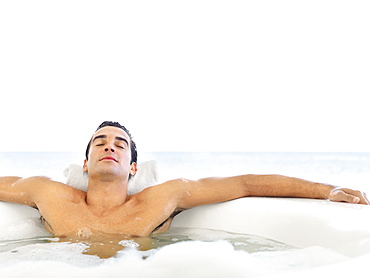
110,148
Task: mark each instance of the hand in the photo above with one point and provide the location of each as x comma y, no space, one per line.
348,196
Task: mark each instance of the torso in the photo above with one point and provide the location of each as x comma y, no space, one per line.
71,216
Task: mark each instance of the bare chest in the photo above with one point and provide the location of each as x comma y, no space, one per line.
77,220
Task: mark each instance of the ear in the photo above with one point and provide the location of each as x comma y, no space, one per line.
85,166
133,168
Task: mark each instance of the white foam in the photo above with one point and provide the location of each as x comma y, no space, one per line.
183,259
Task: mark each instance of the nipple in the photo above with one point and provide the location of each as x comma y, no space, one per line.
84,232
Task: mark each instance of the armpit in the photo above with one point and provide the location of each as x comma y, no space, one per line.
165,225
46,225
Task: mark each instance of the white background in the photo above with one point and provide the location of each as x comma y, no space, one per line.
186,75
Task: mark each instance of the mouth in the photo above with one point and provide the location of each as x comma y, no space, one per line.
109,158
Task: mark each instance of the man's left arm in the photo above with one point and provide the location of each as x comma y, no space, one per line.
215,190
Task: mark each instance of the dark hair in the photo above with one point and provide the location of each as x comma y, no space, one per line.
116,124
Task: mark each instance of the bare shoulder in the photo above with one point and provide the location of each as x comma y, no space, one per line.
172,191
41,188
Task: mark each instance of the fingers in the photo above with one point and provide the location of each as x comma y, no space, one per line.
349,196
359,196
365,201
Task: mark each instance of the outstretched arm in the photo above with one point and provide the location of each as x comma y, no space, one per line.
24,191
215,190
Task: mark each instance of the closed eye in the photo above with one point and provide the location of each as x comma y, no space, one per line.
121,143
99,145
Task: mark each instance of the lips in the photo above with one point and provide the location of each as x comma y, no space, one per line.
109,158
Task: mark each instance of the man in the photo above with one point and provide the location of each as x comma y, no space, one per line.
106,208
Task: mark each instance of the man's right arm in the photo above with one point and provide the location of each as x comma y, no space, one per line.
22,191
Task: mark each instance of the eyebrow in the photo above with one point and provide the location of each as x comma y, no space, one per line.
105,136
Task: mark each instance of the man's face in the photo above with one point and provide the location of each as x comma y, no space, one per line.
110,154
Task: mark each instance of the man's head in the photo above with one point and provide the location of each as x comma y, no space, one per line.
116,124
112,140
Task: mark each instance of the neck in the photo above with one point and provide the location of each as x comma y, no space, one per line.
106,195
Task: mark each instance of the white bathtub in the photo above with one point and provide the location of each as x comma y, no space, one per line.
342,227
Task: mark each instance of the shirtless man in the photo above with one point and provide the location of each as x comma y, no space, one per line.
107,208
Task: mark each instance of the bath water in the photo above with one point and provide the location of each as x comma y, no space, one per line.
181,252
